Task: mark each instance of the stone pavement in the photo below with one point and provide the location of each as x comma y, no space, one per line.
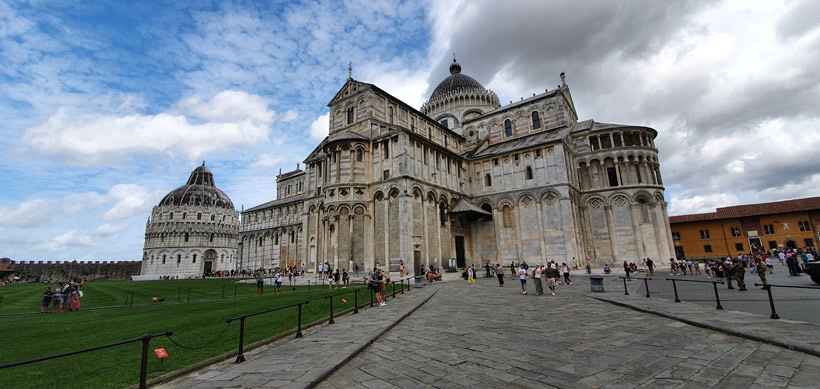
302,362
488,336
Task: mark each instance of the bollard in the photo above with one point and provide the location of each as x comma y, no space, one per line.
144,361
626,292
299,322
646,285
394,289
240,357
717,298
774,314
674,286
402,286
126,297
356,301
223,291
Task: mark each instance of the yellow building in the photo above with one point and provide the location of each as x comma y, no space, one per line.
739,229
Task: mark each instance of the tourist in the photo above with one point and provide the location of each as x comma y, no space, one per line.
321,270
628,270
536,277
565,269
401,268
375,285
66,292
589,270
769,264
47,296
499,272
607,270
554,266
337,277
259,275
487,269
345,278
74,304
470,279
329,276
719,271
551,274
278,280
522,275
761,272
356,270
651,266
697,267
512,269
384,279
57,299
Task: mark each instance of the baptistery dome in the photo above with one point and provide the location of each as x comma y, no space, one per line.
199,190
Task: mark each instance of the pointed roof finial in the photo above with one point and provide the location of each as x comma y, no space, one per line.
203,162
454,57
350,70
563,79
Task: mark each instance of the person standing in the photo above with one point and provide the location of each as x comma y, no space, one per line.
74,305
651,266
47,296
522,275
259,275
374,284
320,270
565,269
499,272
401,268
769,265
761,272
536,278
57,299
628,270
337,277
278,278
356,270
383,279
551,275
470,274
512,269
487,267
345,280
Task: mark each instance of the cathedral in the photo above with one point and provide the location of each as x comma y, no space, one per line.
463,180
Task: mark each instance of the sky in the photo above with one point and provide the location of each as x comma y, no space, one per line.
105,108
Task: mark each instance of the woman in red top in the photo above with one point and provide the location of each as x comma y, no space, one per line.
628,269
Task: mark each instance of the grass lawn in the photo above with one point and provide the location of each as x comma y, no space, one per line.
194,324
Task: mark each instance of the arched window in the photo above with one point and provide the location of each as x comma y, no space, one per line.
412,124
163,259
507,127
184,215
292,237
171,216
350,115
536,120
194,261
506,215
488,181
199,216
359,155
489,210
179,259
442,214
260,242
213,217
529,172
390,115
276,240
211,238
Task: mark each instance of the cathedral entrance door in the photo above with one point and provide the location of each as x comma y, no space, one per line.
208,267
679,253
460,260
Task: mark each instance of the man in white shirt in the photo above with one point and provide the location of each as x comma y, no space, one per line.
321,270
522,274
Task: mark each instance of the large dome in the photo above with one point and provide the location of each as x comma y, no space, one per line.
199,190
456,82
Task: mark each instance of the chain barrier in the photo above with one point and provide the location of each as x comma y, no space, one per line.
320,308
204,345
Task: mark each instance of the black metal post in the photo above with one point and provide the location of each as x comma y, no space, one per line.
626,292
223,291
402,286
132,299
675,287
189,295
331,311
646,285
774,314
234,290
717,297
144,361
1,301
299,323
356,301
240,357
126,297
371,297
394,289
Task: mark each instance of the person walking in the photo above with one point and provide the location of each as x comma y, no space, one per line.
47,296
499,272
651,266
551,275
628,270
761,272
375,285
522,275
565,269
470,274
259,275
536,277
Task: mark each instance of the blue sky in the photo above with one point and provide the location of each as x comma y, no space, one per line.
104,108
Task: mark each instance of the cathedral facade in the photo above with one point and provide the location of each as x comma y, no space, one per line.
463,180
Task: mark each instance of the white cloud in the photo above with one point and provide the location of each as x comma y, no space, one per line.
63,241
268,161
130,200
194,128
110,229
320,127
290,116
29,213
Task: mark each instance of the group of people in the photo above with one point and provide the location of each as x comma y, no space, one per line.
64,298
550,273
378,283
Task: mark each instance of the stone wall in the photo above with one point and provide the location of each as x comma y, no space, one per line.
36,271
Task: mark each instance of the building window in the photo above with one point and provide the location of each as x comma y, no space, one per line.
508,128
804,226
613,176
292,237
638,172
707,248
260,242
163,259
489,210
516,157
772,245
186,236
386,174
179,259
429,133
528,172
213,217
495,161
171,216
442,214
704,234
487,180
739,246
536,121
359,155
808,242
444,123
350,116
386,149
506,216
676,236
276,239
194,261
736,231
211,239
390,114
538,153
184,215
199,216
768,229
412,124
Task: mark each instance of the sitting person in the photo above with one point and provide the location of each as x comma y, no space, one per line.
607,270
435,275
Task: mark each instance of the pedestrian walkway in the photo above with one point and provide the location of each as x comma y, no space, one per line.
488,336
303,362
